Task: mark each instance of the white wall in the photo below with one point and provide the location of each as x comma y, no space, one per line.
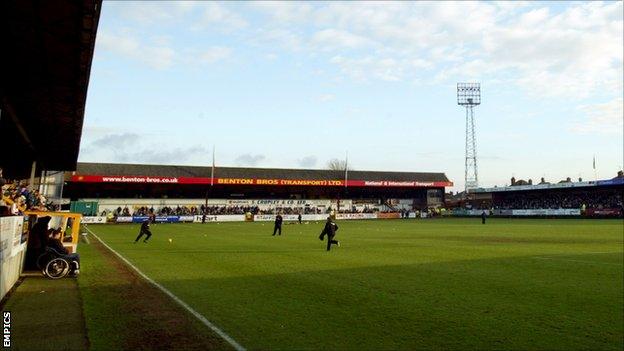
12,252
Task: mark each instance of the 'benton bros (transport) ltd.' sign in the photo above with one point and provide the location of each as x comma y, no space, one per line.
252,181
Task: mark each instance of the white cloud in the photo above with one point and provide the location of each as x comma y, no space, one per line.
214,54
127,45
284,11
284,38
606,118
217,16
382,68
161,40
155,155
576,51
249,159
333,39
307,162
116,141
326,97
135,148
158,56
150,12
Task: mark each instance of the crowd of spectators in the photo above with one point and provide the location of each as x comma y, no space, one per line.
17,197
354,209
227,210
297,210
182,210
580,200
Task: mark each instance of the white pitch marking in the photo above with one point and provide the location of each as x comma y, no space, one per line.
221,333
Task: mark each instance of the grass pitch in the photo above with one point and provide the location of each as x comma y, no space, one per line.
395,284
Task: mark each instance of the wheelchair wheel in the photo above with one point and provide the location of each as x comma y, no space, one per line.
43,259
57,268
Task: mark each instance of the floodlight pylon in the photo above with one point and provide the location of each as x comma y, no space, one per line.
469,96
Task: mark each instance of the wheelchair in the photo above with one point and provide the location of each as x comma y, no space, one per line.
55,265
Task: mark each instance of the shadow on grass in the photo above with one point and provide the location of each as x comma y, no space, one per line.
243,251
46,315
489,239
125,312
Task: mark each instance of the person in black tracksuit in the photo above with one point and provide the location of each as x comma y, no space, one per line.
278,224
299,217
329,230
483,216
145,230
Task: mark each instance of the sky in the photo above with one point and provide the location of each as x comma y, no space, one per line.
295,84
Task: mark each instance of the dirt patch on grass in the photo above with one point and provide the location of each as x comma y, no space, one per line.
146,318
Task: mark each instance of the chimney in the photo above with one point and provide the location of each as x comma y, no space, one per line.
543,181
513,180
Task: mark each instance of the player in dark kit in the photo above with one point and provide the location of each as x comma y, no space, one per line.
483,216
330,229
299,217
144,230
278,224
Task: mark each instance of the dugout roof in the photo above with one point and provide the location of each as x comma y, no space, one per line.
84,170
47,49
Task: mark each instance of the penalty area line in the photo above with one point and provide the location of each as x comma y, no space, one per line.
204,320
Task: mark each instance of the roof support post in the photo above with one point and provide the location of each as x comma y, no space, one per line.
32,175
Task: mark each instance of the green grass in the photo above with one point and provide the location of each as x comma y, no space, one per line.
413,284
46,315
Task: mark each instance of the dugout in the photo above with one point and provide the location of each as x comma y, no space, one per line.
67,222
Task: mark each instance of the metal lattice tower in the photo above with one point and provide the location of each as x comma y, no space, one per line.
469,95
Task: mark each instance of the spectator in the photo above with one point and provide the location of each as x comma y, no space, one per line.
55,243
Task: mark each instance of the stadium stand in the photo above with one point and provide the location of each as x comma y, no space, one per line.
156,181
578,199
18,197
122,192
589,198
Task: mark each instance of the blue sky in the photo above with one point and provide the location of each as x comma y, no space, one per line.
295,84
